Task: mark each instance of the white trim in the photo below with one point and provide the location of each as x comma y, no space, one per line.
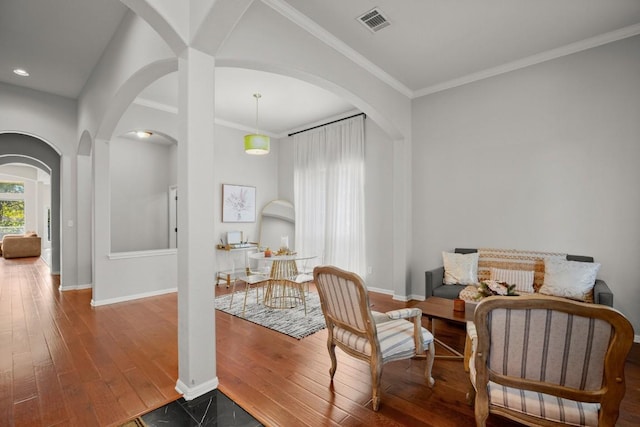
108,301
155,105
330,40
417,297
380,290
565,50
63,288
636,338
141,254
174,110
190,393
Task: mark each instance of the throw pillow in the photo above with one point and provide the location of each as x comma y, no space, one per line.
523,279
461,269
569,279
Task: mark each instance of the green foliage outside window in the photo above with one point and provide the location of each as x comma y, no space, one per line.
11,187
11,213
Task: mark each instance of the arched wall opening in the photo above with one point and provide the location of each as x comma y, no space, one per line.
22,148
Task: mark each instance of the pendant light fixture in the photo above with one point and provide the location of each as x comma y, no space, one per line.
256,143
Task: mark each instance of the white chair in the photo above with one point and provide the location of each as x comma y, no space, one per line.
376,338
251,278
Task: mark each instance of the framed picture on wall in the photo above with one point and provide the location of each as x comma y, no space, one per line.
238,203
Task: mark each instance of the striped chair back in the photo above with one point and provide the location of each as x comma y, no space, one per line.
344,300
549,346
540,357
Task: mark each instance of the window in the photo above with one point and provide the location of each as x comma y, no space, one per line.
11,208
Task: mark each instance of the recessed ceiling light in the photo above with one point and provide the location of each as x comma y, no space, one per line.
143,134
21,72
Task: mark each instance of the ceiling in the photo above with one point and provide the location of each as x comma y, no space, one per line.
429,45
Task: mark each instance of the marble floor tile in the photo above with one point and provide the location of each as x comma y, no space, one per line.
211,409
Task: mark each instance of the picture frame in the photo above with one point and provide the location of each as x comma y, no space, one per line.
238,203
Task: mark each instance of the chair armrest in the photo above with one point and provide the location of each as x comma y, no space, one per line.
433,279
602,294
404,313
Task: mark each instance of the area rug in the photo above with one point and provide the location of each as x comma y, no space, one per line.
290,321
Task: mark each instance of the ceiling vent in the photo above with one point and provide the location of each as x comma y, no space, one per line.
374,20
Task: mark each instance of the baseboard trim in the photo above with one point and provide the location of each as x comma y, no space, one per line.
108,301
190,393
636,338
63,288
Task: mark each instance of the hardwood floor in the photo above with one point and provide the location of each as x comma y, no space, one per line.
64,363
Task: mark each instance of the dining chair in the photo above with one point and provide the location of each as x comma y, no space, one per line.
251,278
549,361
376,338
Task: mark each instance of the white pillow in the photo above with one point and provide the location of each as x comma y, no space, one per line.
461,269
523,279
569,279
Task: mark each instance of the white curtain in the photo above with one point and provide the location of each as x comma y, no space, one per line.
329,194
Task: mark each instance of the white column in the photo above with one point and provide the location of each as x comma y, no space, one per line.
196,238
101,226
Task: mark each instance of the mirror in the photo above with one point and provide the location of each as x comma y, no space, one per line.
277,221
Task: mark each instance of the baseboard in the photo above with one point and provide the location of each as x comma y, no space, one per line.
190,393
63,288
108,301
417,297
380,290
636,338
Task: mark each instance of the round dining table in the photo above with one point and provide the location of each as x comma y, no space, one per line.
285,288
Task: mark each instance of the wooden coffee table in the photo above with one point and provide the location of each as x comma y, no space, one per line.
442,308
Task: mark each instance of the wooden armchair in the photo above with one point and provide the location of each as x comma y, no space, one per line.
549,361
376,338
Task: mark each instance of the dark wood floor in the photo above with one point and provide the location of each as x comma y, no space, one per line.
64,363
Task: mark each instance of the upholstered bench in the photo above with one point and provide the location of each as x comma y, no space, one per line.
511,260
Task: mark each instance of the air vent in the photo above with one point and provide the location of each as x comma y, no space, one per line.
374,20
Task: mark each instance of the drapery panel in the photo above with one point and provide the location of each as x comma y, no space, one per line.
329,194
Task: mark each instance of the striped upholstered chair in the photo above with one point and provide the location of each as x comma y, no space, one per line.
376,338
549,361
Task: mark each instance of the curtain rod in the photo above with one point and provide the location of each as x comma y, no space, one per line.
330,123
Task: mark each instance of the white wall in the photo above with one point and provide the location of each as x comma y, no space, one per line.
544,158
139,194
53,119
234,166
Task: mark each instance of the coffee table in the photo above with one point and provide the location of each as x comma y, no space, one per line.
442,308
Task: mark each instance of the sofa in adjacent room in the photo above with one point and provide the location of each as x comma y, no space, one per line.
513,260
21,245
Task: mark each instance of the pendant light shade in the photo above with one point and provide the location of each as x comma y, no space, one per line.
256,143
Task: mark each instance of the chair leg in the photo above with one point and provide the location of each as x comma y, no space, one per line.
376,373
303,297
233,291
332,355
246,293
431,352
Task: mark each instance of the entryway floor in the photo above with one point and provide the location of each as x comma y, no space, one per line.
211,409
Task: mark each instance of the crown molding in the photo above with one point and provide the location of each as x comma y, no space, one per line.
559,52
330,40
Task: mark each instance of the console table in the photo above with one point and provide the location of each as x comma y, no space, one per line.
230,253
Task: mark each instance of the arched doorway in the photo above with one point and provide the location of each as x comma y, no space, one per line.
26,149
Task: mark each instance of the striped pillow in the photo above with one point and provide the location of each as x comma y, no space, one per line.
523,279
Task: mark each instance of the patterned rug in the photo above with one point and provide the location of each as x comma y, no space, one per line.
290,321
